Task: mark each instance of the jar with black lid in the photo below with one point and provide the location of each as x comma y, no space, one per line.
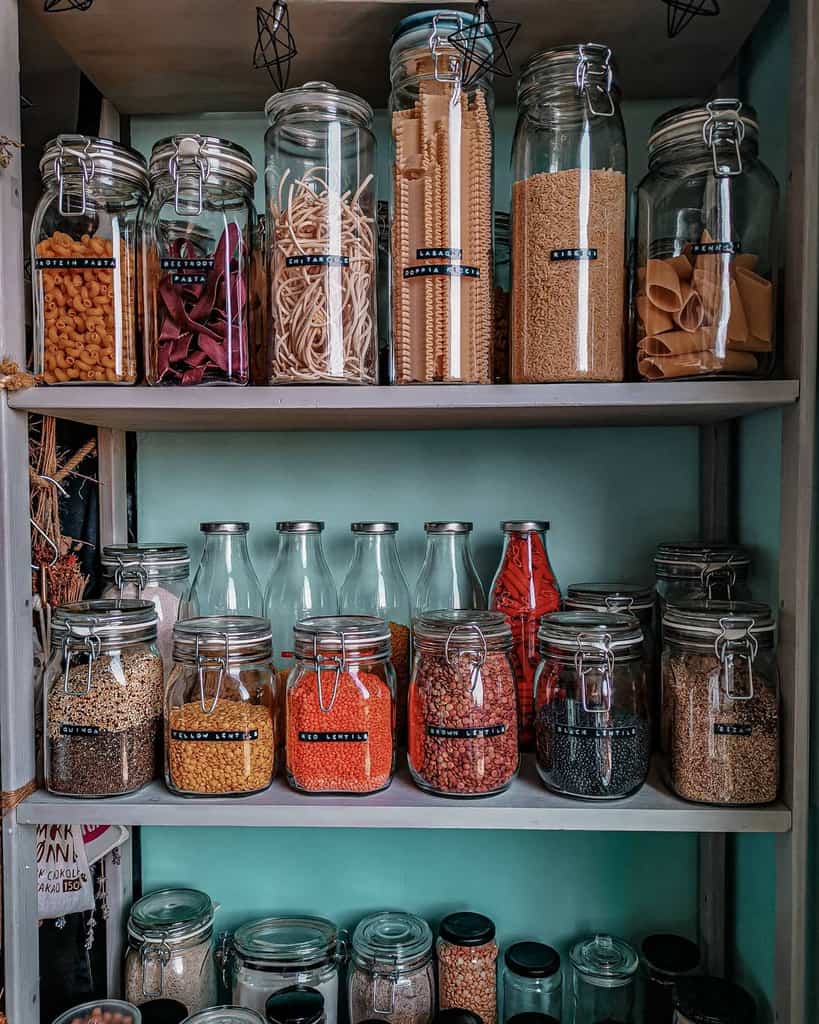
665,960
467,969
701,571
712,1001
532,983
297,1004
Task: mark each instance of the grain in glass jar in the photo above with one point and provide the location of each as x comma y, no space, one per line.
712,1001
103,690
721,702
170,949
532,983
463,713
392,977
665,960
467,969
603,981
341,706
221,717
707,219
700,571
84,255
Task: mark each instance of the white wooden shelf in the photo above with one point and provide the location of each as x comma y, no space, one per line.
412,407
525,805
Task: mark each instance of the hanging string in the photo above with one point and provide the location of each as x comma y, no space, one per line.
484,45
682,12
275,45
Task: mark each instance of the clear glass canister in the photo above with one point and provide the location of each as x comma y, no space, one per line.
274,953
392,976
441,234
225,582
259,312
103,690
150,572
95,1012
448,577
568,219
341,706
225,1015
322,239
463,713
467,965
721,702
532,983
603,981
712,1001
170,949
592,721
665,960
221,718
198,244
698,571
706,250
501,292
84,255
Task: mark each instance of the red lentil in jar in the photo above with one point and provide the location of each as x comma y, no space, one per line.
467,972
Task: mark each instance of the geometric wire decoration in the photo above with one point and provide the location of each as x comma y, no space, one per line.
275,45
55,6
682,12
475,60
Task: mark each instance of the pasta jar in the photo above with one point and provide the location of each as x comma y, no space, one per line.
568,219
103,688
392,977
706,258
708,1000
463,712
441,107
197,253
532,983
603,981
221,708
698,571
321,236
274,953
467,968
341,706
84,252
721,702
170,949
592,723
503,280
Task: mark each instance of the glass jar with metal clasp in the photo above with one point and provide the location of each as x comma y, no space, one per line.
592,724
170,949
701,571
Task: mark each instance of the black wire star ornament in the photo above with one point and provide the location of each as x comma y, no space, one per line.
275,45
478,60
682,12
55,6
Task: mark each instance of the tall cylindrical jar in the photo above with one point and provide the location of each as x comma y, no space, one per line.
706,247
467,965
568,219
532,983
321,236
198,244
603,981
84,260
441,235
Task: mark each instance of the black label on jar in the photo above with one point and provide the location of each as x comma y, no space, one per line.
317,260
334,737
442,270
214,736
732,729
434,253
560,255
188,271
80,730
74,263
715,248
591,732
441,732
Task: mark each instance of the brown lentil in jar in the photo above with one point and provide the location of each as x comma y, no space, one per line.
467,973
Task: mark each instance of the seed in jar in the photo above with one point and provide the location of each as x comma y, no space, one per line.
467,978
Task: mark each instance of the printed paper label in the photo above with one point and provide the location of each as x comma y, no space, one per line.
192,271
715,248
334,737
317,260
732,729
215,736
559,255
74,263
80,730
442,270
438,254
590,732
443,733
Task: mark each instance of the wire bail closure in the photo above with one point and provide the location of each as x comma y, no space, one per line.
713,573
86,167
476,658
588,76
599,645
724,117
203,663
130,572
392,977
750,647
161,954
80,644
452,74
189,149
333,661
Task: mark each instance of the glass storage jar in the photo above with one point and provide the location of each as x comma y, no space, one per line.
525,589
341,706
602,988
706,257
89,1013
103,689
532,982
320,188
463,716
721,702
198,244
592,723
448,577
441,231
298,1004
500,306
225,1015
467,968
698,571
225,582
665,959
712,1001
392,976
274,953
149,572
221,718
259,351
170,949
84,256
568,219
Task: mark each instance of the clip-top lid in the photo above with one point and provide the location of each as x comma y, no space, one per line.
145,562
232,637
287,940
341,636
392,938
590,632
169,915
322,98
112,622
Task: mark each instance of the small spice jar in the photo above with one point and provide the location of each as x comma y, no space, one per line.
197,243
392,977
467,972
221,717
170,949
225,1015
463,716
274,953
698,571
602,986
103,688
712,1001
592,724
341,706
84,254
149,572
532,982
665,960
721,702
297,1004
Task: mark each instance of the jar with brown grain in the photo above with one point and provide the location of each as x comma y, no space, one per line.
463,712
84,260
221,719
467,965
721,702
